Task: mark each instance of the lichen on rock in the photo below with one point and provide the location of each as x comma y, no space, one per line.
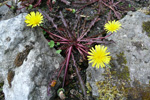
122,72
146,27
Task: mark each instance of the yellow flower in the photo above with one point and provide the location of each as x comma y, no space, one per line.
99,56
34,19
112,26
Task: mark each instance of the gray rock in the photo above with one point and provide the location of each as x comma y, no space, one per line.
93,76
24,51
130,52
5,12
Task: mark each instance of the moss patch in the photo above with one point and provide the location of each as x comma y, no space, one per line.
138,92
108,91
1,91
146,27
139,45
121,59
121,71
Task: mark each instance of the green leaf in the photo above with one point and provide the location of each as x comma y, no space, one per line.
73,10
44,32
87,92
58,51
129,5
30,6
12,7
51,44
58,43
41,24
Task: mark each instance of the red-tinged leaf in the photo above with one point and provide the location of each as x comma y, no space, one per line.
88,29
49,4
62,68
83,3
79,77
109,15
63,20
67,63
38,3
61,29
54,35
118,15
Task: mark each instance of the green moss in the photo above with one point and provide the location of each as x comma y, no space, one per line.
139,45
1,85
147,12
121,59
138,93
88,86
108,91
123,71
146,27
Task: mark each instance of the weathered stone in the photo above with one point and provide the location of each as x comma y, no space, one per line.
5,12
25,51
130,52
93,76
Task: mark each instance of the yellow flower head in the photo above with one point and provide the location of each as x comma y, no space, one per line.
99,56
34,19
112,26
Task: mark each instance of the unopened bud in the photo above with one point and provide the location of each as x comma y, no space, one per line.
60,93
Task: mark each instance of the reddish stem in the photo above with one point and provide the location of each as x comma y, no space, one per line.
61,68
64,39
87,5
79,77
83,50
8,5
91,39
38,3
91,24
67,63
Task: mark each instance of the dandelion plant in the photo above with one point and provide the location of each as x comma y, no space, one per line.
74,40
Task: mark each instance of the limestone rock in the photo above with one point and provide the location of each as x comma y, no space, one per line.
134,43
5,12
26,62
130,52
